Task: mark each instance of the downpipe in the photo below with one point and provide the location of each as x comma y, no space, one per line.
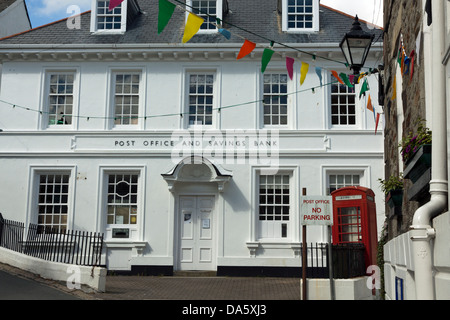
422,233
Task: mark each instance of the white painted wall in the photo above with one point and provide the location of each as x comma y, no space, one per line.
310,147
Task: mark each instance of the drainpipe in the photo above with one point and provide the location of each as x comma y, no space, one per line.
422,233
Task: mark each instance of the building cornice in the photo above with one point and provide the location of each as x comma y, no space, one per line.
164,52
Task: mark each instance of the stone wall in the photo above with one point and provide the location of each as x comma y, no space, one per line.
401,18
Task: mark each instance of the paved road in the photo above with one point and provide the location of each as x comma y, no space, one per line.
14,287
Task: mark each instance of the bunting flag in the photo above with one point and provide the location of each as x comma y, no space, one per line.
362,75
369,104
319,74
165,13
413,57
376,123
406,65
346,80
303,72
290,67
394,87
193,24
113,4
246,49
335,74
267,55
364,89
225,33
351,78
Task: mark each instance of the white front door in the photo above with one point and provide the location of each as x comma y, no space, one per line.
197,250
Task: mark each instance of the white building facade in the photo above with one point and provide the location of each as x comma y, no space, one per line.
183,156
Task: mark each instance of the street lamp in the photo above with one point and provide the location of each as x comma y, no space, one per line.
356,45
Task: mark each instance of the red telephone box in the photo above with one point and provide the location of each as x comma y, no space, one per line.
354,216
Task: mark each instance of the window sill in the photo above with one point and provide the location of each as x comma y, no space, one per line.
253,246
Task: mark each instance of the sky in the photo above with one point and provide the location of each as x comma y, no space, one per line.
45,11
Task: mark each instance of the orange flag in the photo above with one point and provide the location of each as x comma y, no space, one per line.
246,49
335,74
369,104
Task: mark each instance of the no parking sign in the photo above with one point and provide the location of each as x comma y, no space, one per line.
316,210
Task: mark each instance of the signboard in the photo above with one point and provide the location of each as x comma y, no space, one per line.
316,210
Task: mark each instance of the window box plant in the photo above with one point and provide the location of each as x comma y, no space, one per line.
393,189
416,152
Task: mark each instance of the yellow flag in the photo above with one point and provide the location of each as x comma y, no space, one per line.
303,71
193,24
394,94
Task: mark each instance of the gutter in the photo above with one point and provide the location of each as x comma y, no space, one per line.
422,232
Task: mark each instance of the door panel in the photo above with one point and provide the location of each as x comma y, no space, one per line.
197,233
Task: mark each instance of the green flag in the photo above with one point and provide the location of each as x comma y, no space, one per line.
364,88
267,55
166,10
347,82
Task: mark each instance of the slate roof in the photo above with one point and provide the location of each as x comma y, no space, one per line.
258,16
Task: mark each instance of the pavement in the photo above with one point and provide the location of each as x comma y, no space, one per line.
180,288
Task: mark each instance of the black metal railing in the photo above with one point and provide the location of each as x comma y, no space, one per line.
66,246
348,261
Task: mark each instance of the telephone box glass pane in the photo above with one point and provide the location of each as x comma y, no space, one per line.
349,221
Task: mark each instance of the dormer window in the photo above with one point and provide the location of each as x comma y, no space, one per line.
108,21
208,10
300,15
105,21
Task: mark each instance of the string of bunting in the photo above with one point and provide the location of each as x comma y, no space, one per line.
193,25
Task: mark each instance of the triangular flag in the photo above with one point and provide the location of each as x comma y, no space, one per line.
290,67
335,74
225,33
344,78
303,72
193,24
246,49
394,85
166,10
376,125
413,57
113,4
319,74
351,78
361,75
369,104
406,65
267,55
364,88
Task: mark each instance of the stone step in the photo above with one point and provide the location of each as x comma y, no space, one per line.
195,273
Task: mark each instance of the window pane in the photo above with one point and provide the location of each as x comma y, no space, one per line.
122,198
201,97
274,102
126,98
53,200
60,98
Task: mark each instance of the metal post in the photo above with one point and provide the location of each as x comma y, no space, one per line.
304,258
330,265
